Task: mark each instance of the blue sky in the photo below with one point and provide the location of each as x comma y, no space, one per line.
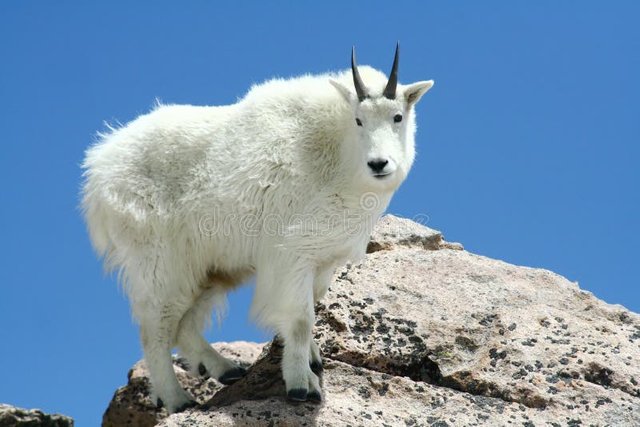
528,146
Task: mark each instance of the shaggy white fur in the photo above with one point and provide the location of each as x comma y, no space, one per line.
187,202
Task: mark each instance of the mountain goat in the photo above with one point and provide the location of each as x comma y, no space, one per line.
187,202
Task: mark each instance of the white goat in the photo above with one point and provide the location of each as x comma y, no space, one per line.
187,202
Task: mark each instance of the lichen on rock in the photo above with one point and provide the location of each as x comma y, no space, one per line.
12,416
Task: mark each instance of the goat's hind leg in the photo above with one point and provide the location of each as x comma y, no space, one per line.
158,331
321,282
315,360
201,357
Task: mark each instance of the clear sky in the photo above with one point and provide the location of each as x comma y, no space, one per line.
528,146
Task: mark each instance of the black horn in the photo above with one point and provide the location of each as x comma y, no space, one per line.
390,90
357,81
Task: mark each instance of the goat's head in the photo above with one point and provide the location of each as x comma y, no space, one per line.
383,124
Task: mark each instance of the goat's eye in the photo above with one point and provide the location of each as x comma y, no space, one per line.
397,118
358,122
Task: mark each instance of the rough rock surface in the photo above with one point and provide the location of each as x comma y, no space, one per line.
11,416
132,406
423,333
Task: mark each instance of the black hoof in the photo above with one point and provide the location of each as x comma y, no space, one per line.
159,403
297,395
314,396
189,404
202,370
316,367
232,375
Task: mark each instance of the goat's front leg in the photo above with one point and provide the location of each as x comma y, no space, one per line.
287,306
302,383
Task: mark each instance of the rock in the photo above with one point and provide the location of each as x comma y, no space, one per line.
10,416
132,406
353,396
392,232
422,332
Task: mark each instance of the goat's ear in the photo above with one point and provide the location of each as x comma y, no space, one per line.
346,93
414,91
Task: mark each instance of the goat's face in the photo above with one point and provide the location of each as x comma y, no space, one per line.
383,149
383,124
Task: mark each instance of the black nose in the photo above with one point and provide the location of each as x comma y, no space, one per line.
377,165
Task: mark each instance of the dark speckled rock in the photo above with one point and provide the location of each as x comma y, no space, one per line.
11,416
